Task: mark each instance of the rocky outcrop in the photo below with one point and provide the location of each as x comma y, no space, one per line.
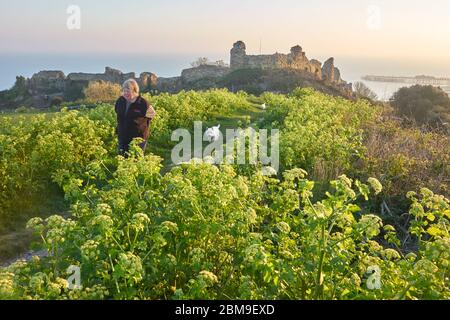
317,68
328,70
171,84
46,82
148,80
110,75
337,76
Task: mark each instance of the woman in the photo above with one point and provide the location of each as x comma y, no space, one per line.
134,115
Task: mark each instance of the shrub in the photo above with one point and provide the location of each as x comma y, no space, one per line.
101,91
363,91
424,104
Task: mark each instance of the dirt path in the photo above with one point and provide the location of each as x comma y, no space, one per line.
26,256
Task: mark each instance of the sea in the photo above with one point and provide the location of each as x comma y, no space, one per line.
171,65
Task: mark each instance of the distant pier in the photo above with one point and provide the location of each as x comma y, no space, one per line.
422,80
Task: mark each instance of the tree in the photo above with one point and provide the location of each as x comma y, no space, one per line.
20,83
200,62
424,104
220,63
363,91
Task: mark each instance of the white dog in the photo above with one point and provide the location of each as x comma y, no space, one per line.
212,134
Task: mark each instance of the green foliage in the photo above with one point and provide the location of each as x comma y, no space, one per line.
204,231
181,110
34,148
242,77
320,133
15,96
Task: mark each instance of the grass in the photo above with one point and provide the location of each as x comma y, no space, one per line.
15,239
240,116
28,114
235,120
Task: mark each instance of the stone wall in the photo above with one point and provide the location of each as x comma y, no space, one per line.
171,84
203,72
110,75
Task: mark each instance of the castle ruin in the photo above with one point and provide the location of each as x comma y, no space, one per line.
296,59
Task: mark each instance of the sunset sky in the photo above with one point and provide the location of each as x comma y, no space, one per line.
403,29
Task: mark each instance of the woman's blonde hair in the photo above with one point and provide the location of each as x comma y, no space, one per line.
131,85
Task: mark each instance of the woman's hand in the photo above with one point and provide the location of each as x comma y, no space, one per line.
151,113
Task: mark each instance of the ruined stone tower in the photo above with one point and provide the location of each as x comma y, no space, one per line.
328,70
238,55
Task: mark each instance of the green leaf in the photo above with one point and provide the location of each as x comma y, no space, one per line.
434,231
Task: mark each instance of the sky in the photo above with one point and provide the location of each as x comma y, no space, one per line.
407,30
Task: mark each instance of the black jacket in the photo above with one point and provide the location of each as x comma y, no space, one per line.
136,122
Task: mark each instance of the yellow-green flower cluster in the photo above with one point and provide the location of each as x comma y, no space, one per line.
251,216
170,226
6,285
208,277
283,227
37,281
90,250
103,209
197,255
36,224
97,292
131,266
391,254
57,287
139,221
102,221
375,184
